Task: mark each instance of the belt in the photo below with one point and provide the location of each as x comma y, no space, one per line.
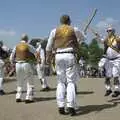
65,52
110,58
113,58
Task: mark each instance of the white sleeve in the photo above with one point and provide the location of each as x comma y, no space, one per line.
80,35
42,54
101,39
12,55
38,49
5,48
50,40
32,49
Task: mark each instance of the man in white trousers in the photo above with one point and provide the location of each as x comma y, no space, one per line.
3,56
82,67
65,40
41,67
111,61
24,56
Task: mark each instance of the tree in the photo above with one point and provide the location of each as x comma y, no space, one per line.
34,41
83,51
95,53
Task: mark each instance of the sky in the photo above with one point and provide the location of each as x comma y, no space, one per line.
38,17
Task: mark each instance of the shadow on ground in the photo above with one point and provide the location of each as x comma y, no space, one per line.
114,100
94,108
51,89
7,80
9,93
14,92
85,92
39,99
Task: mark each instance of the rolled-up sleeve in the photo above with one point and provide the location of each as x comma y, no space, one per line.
32,49
50,40
80,35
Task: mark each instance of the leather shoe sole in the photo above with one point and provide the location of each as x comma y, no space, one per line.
71,111
18,100
29,101
61,111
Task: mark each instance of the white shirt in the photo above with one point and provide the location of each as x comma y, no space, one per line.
81,62
42,53
80,37
5,48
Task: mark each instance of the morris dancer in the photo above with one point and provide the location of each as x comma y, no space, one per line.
24,56
65,40
111,61
41,67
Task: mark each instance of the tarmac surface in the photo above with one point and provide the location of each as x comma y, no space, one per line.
91,103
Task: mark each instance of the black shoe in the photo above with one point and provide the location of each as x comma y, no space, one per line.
108,92
18,100
116,94
61,110
28,101
71,111
2,92
46,89
41,81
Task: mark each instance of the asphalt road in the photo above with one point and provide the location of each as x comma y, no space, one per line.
91,103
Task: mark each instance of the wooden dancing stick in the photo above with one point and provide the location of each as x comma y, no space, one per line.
90,20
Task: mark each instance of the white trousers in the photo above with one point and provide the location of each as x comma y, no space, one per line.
41,74
112,69
24,73
66,76
1,73
116,73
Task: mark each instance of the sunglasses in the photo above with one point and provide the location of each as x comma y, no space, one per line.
109,30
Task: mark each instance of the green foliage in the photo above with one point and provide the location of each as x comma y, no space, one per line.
42,41
91,53
34,41
95,52
83,51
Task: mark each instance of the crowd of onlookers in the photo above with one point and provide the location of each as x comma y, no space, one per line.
84,71
92,72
